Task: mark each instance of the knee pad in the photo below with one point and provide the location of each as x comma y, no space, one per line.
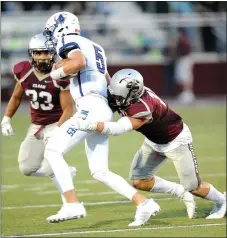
25,171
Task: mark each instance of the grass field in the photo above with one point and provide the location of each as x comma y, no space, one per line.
27,201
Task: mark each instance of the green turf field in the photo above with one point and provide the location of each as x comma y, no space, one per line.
27,201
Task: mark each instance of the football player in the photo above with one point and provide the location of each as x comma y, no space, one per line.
87,60
166,136
50,105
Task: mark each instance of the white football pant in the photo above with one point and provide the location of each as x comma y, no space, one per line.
92,107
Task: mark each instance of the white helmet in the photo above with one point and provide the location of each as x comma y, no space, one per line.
59,25
37,43
126,86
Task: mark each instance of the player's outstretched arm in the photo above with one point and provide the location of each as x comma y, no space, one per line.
11,108
72,65
66,102
123,125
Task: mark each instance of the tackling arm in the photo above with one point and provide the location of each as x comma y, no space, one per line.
120,127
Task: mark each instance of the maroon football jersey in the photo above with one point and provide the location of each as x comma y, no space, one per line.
164,124
43,93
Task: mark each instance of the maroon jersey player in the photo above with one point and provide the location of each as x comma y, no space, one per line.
166,136
43,93
50,105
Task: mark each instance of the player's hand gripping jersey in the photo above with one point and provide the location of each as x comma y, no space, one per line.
43,93
92,78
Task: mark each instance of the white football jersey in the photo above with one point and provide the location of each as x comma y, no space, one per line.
92,77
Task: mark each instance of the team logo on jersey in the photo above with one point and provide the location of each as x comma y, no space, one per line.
84,114
71,131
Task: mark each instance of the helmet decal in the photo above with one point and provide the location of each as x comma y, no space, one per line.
60,19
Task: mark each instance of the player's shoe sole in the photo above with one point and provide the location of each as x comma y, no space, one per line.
58,220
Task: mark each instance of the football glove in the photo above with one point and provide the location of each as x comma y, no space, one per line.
85,125
6,127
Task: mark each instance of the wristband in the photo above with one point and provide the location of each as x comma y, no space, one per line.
93,126
58,73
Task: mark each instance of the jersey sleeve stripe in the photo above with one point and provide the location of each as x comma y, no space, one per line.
145,104
80,86
26,75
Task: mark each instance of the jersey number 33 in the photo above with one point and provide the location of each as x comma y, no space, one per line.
46,105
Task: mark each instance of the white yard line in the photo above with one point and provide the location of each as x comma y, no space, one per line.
86,204
92,181
120,230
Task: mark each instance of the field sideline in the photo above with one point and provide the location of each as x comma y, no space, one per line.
27,201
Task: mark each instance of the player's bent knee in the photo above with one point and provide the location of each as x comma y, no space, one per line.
137,183
143,184
25,170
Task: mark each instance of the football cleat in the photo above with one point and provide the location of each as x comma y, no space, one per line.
68,211
144,211
219,210
190,204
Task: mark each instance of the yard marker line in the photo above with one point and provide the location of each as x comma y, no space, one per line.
86,204
92,181
120,230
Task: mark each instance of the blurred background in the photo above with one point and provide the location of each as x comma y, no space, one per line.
179,47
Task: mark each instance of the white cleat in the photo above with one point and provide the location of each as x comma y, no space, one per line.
219,210
68,211
144,211
190,204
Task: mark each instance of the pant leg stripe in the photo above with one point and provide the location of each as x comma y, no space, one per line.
190,147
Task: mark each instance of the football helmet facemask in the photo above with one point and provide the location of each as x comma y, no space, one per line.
41,59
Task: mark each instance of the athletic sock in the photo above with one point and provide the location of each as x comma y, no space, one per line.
163,186
215,196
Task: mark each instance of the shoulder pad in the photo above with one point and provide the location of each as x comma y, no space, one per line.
21,68
66,48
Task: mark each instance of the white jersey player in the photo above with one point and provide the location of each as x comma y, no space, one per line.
92,78
89,90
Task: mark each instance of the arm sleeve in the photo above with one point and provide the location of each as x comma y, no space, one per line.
120,127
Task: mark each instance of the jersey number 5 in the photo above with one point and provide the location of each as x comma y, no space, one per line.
47,105
99,59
